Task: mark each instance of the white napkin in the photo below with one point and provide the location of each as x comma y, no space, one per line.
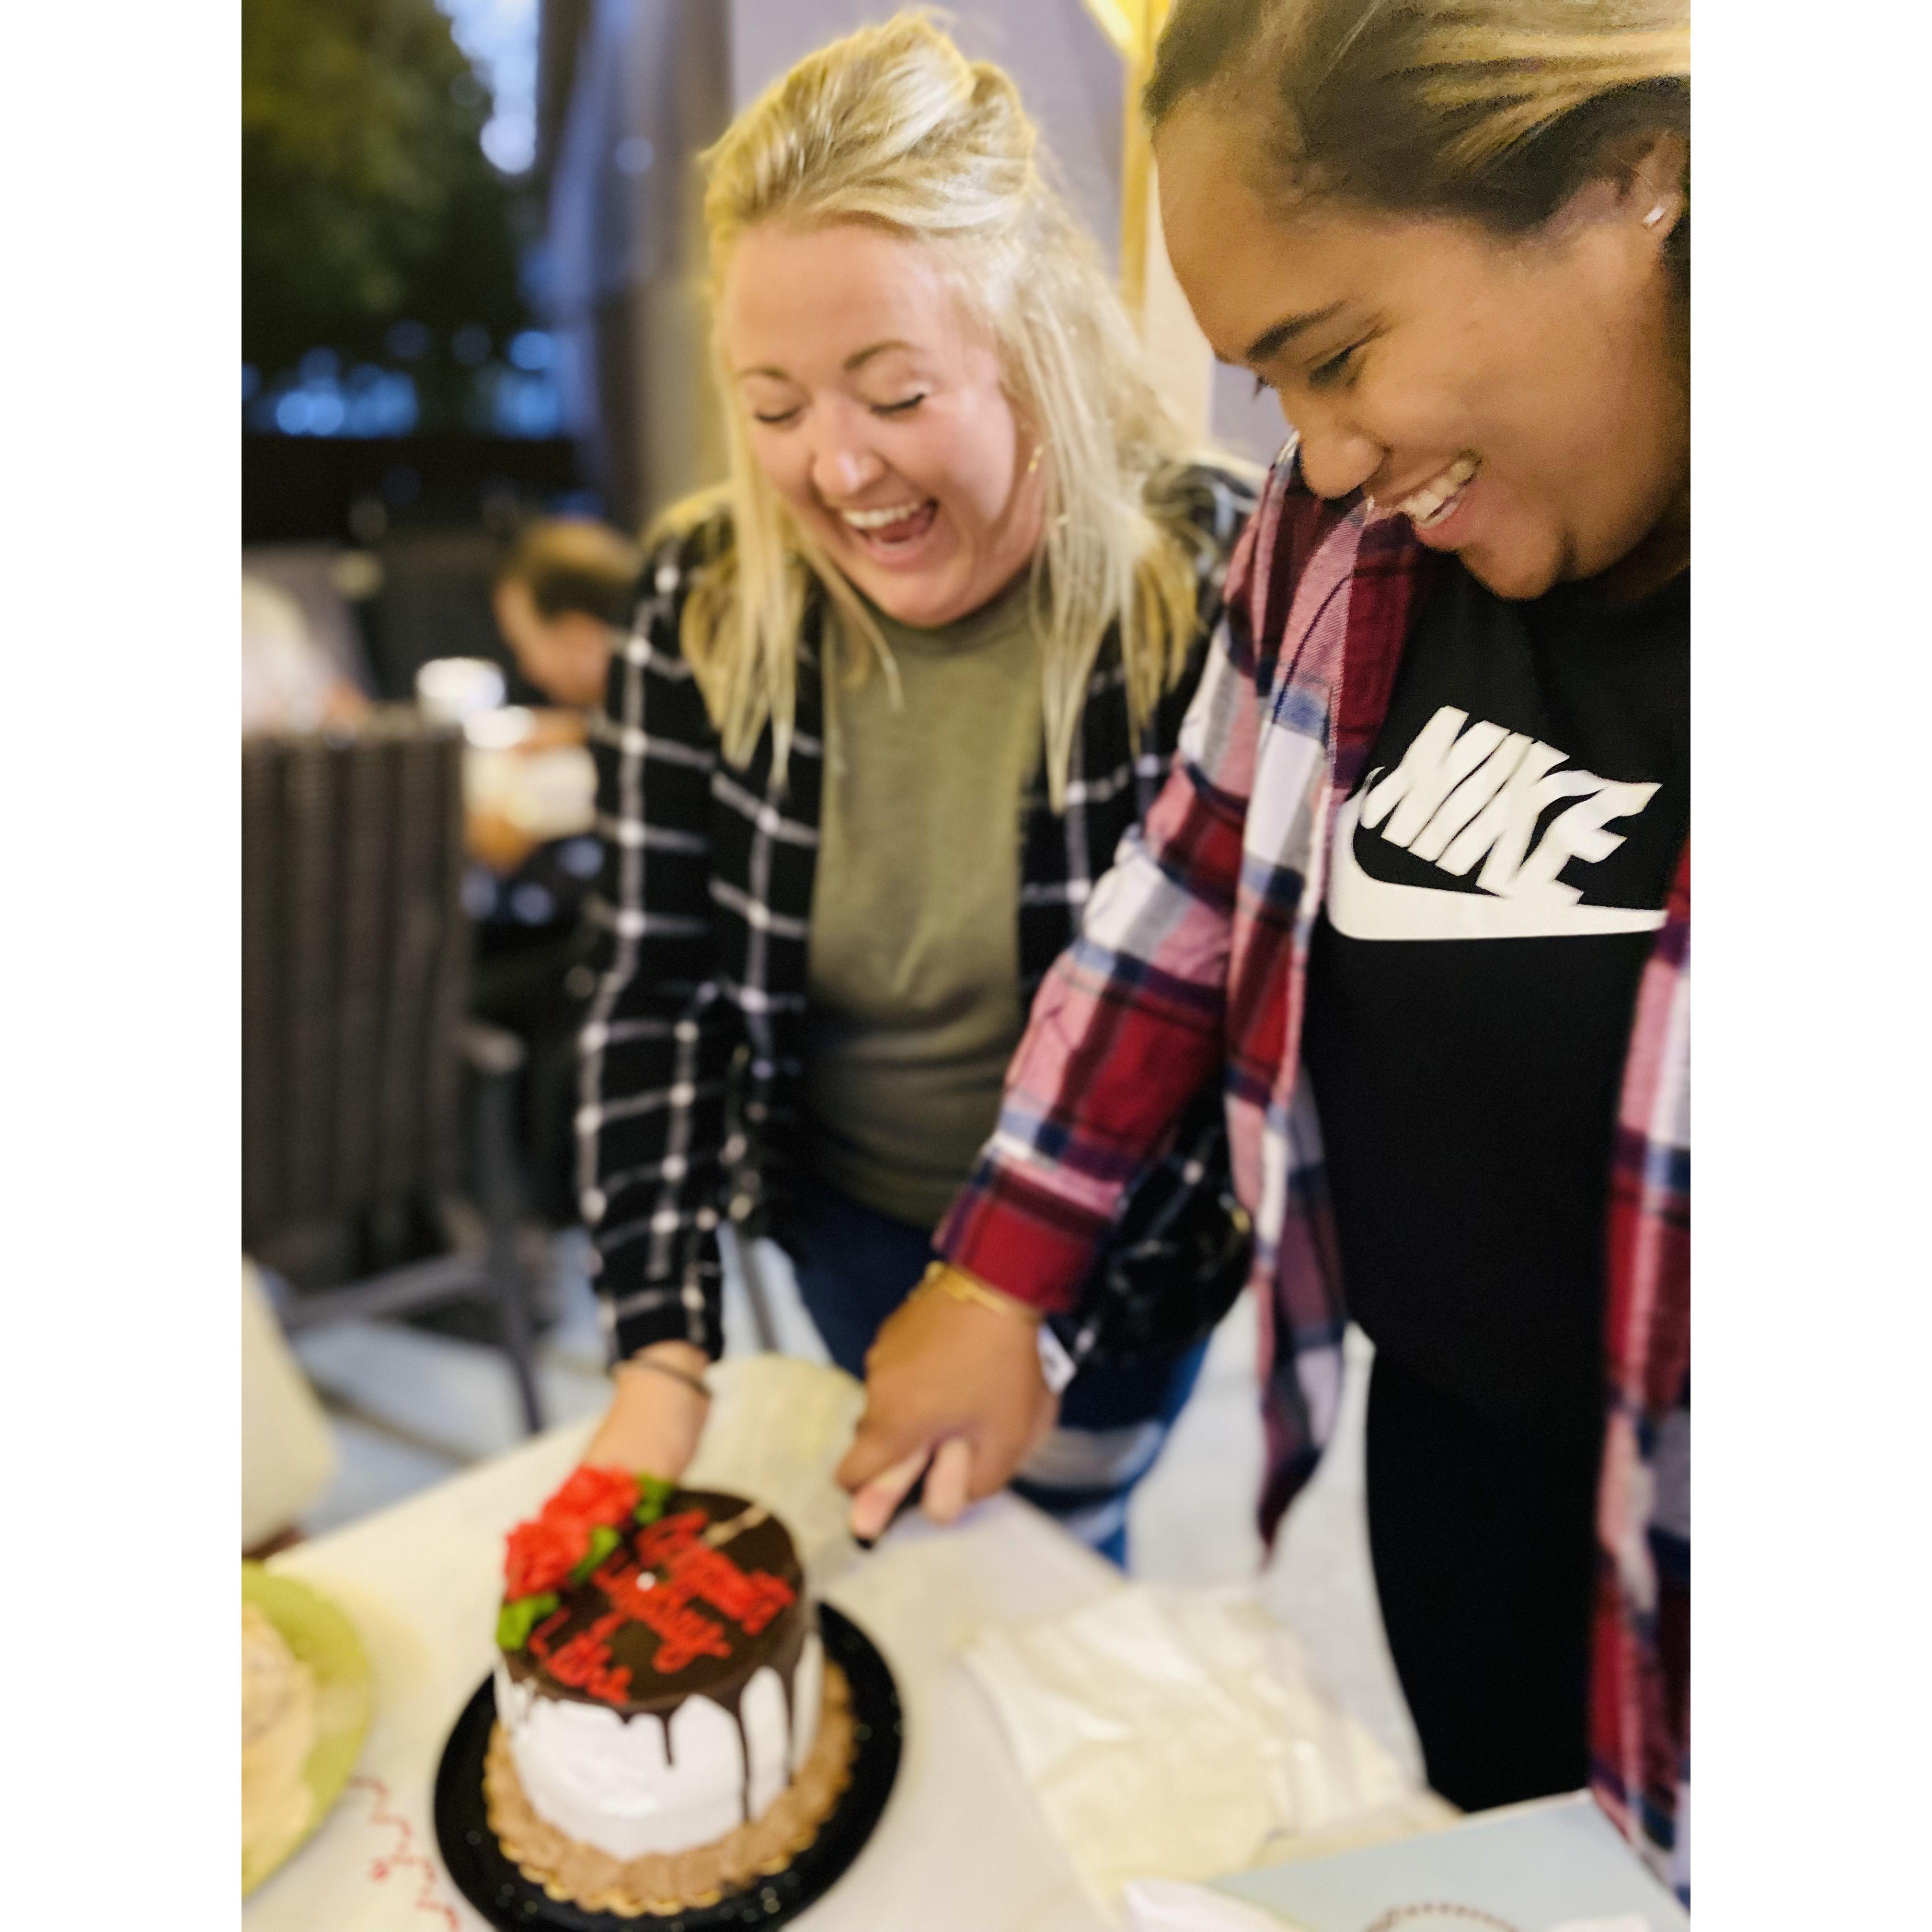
288,1454
1177,1734
1163,1905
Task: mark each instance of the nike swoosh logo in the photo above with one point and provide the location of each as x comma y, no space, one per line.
1362,908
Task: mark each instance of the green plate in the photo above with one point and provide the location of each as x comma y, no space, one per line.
325,1640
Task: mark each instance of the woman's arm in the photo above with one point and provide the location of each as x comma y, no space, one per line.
1129,1024
655,1051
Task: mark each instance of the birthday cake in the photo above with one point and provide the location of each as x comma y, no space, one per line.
668,1728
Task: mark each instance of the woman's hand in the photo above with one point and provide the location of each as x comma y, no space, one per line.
944,1368
657,1412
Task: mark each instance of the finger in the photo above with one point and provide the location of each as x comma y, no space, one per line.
873,1507
998,1458
946,1488
876,1448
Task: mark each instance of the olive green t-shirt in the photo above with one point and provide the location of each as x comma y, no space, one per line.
914,1007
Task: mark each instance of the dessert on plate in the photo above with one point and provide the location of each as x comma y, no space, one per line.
278,1730
305,1695
668,1728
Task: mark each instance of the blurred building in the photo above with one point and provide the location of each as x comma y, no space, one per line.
629,91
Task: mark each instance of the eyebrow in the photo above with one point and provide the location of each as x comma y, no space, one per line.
1271,341
855,361
859,359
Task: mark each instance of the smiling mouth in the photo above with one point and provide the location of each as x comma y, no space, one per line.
1438,499
895,528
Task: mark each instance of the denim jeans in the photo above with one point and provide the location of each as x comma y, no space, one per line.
855,1266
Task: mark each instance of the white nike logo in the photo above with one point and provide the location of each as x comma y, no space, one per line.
1459,797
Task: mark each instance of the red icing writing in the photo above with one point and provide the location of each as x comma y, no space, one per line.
669,1537
694,1572
584,1662
540,1637
574,1664
751,1598
612,1683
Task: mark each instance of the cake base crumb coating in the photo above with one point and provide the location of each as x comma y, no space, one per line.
660,1883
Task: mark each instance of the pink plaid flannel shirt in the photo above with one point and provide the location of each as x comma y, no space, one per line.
1191,957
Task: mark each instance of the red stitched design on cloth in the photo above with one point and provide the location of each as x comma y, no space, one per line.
405,1858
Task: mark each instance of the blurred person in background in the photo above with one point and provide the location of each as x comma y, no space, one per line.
289,682
1423,862
893,694
561,599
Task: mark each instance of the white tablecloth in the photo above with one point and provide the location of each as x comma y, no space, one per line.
963,1844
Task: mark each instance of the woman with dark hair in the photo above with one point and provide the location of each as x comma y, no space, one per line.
1423,863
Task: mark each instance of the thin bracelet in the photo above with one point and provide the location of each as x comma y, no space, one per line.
665,1369
962,1287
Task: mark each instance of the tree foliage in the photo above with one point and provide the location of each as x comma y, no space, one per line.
366,197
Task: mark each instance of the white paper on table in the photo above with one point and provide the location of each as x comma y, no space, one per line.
1177,1734
288,1455
1166,1905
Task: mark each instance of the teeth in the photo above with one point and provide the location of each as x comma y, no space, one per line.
877,519
1426,506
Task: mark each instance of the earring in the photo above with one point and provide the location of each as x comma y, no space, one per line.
1656,215
1032,462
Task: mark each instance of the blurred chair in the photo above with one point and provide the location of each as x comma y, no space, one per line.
370,1102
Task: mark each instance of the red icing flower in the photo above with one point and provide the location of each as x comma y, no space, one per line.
540,1556
599,1497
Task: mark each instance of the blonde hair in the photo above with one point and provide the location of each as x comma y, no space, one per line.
893,126
1495,110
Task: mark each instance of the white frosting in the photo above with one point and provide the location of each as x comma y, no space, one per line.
513,1699
807,1691
762,1711
617,1783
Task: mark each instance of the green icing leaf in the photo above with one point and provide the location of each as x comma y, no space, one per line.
656,1492
516,1620
603,1541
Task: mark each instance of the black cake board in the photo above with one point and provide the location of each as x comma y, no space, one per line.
499,1891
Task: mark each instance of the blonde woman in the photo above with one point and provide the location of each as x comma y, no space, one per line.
893,696
1423,861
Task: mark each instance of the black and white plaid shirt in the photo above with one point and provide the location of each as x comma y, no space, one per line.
691,1058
